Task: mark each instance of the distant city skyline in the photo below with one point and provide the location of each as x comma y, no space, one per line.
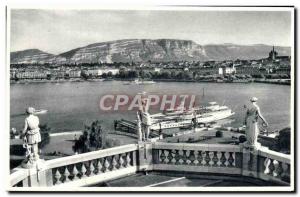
57,31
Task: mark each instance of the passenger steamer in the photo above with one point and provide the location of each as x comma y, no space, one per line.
176,118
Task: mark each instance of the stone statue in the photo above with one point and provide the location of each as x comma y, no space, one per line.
139,126
31,138
251,121
147,124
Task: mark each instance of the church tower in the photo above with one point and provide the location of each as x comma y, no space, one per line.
273,54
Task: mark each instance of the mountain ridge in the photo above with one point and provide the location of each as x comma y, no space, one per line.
155,50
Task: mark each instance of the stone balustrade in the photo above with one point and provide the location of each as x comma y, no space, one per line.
82,169
108,164
222,159
274,166
206,158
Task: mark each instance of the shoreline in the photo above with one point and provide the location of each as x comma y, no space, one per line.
271,81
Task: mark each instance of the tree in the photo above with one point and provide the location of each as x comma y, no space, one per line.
45,136
166,75
91,138
180,75
173,74
109,74
104,75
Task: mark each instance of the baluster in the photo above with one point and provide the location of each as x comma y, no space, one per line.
177,157
285,175
181,157
128,159
187,157
211,156
99,167
215,159
200,158
231,159
196,155
57,177
203,158
226,158
114,163
278,169
106,165
223,160
170,157
83,170
92,168
121,161
174,160
162,156
207,158
66,174
219,155
166,154
270,166
75,172
192,157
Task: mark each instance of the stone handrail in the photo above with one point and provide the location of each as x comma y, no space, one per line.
18,175
108,164
264,164
212,158
82,169
274,166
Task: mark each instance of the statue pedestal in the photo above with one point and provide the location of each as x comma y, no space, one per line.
38,174
32,164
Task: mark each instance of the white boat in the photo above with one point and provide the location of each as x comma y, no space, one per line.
181,118
147,82
139,82
213,112
40,111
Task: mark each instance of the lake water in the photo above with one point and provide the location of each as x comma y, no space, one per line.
71,104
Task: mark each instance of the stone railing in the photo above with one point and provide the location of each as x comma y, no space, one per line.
197,158
274,166
80,170
105,165
222,159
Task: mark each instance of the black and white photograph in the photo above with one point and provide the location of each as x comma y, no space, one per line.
151,99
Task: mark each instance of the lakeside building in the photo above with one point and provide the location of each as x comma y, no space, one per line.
31,75
273,55
100,72
74,73
225,70
248,70
283,70
209,71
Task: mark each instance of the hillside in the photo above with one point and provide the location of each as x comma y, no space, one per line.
29,56
140,50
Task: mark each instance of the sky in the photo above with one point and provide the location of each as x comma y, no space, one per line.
57,31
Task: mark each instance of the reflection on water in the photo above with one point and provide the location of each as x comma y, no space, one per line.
71,105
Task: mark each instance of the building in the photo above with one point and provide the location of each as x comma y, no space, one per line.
249,70
107,70
74,73
227,70
283,70
31,75
208,71
273,54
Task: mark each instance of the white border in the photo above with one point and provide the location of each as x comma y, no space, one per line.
134,7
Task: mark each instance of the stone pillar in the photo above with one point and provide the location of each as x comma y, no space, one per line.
38,176
250,162
145,162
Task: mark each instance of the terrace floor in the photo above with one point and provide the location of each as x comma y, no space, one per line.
157,179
